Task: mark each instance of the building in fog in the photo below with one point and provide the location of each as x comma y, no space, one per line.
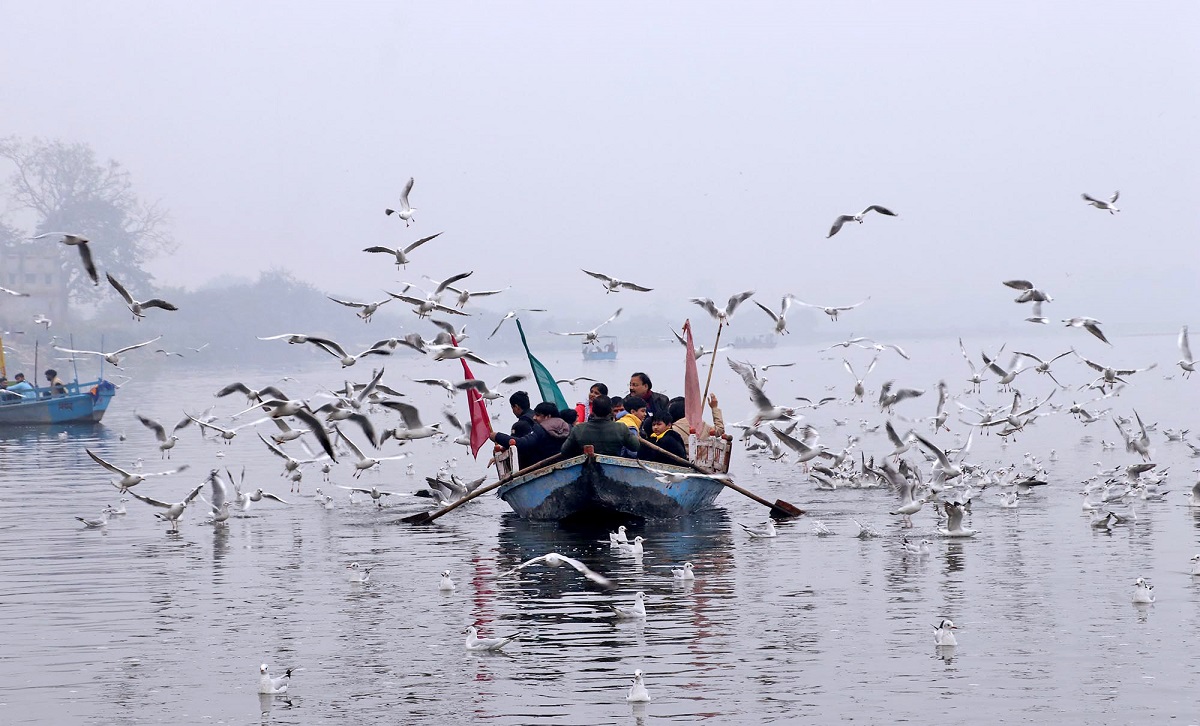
36,269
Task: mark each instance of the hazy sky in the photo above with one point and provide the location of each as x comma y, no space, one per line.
697,148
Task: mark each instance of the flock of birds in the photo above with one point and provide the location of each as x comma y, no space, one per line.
925,475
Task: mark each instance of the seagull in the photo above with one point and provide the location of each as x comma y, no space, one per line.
860,390
174,511
165,442
880,347
612,284
1089,324
943,633
406,211
634,612
445,584
413,428
685,573
1043,366
335,350
365,462
1111,376
365,310
634,548
512,314
638,692
128,479
96,523
422,307
553,559
376,493
1006,376
292,338
81,243
806,449
954,526
401,253
40,319
1143,593
722,316
831,310
764,533
1187,362
1029,293
779,318
1037,316
664,476
113,357
358,574
948,469
474,642
575,381
1195,565
1099,204
888,399
619,536
272,686
900,445
290,464
6,291
592,337
137,307
252,396
837,223
454,352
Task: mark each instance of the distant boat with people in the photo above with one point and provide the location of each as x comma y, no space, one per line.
604,349
75,402
757,341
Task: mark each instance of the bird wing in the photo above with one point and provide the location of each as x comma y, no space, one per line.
119,288
1019,284
631,286
156,302
610,319
709,306
195,493
880,210
404,194
933,449
770,313
449,280
871,367
150,500
318,430
586,572
837,224
1113,199
353,447
367,427
598,276
329,346
851,307
156,427
1094,329
792,443
348,303
736,300
378,248
275,449
85,254
409,412
1185,349
850,369
760,399
1088,198
134,346
105,464
1034,357
1094,366
891,434
421,241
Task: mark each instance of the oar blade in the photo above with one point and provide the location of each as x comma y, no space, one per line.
783,510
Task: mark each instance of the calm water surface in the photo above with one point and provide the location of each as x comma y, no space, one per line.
133,625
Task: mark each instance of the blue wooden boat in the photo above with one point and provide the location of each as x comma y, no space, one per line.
82,403
604,349
595,485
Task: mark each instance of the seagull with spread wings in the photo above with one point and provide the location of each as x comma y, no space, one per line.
137,307
592,337
365,462
365,310
1091,325
114,357
553,559
1108,206
780,318
80,243
842,219
165,442
831,310
612,284
337,351
1187,362
401,253
129,479
174,511
722,316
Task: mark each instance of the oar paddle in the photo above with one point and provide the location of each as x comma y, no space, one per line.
779,510
427,517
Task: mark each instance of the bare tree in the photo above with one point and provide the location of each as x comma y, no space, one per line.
70,191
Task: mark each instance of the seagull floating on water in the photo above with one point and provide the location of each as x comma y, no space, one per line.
943,633
638,692
684,573
633,612
1143,593
445,584
474,642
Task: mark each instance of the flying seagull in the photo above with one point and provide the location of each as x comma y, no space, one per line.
113,357
593,336
612,284
137,307
832,310
406,210
85,253
365,310
722,316
1091,325
837,223
401,253
1100,204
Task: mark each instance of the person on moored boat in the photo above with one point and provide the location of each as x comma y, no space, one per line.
21,387
57,387
601,432
543,441
664,437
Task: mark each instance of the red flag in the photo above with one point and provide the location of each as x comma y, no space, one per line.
481,423
692,405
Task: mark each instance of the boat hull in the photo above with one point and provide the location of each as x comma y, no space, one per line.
606,485
85,403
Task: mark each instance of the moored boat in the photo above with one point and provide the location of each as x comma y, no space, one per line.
82,403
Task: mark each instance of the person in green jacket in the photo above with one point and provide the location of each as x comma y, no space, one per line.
602,433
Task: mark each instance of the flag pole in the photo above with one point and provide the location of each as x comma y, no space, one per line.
713,363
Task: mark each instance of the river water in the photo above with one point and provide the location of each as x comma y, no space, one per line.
134,625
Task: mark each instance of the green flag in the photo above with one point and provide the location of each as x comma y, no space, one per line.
545,381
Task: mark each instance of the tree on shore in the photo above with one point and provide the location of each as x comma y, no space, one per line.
69,190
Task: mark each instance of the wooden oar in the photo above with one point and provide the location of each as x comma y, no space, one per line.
779,510
427,517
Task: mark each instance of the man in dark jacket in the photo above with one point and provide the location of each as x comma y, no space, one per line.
601,432
656,403
520,408
543,441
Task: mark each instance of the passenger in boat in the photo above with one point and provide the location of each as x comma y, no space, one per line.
656,403
664,437
606,436
519,402
618,406
684,427
21,387
543,441
57,387
569,415
635,413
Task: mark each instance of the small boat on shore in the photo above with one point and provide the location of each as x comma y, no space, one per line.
598,486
